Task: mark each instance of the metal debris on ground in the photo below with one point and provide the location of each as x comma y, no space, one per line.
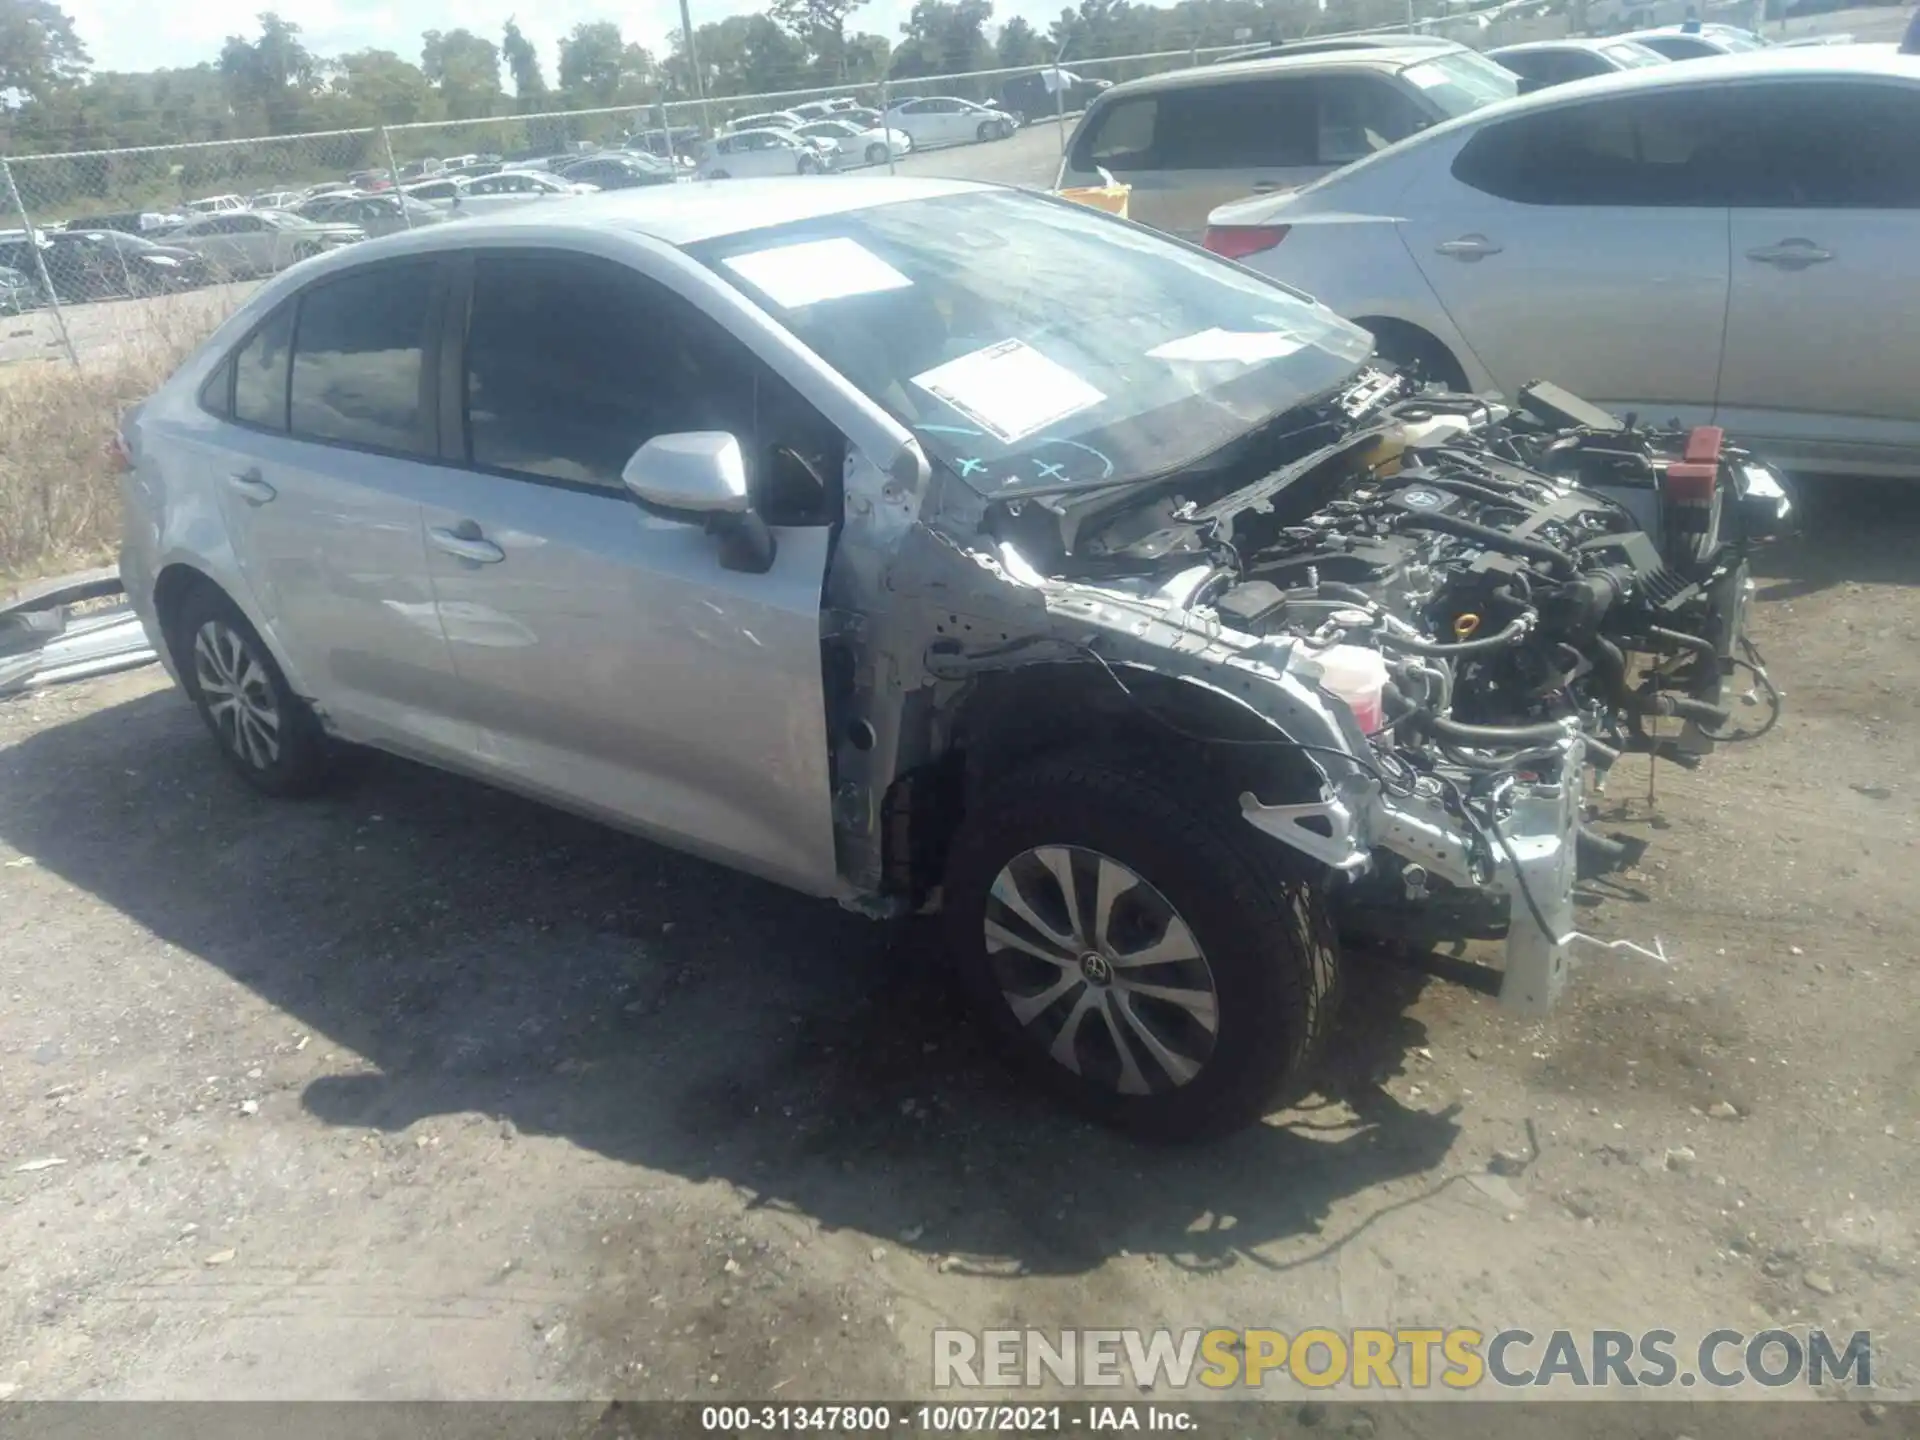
45,639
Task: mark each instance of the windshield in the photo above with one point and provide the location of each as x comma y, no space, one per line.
1462,80
1036,345
1631,56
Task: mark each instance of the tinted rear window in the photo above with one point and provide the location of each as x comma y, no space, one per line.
260,373
358,359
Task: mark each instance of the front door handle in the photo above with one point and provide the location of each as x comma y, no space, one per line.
472,547
1467,247
1267,187
1793,254
248,485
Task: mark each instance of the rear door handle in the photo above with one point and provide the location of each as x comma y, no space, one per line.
1467,247
248,485
1790,254
472,547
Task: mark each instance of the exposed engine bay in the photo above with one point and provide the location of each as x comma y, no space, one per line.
1461,612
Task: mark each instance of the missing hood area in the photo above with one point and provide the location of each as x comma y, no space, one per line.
1405,632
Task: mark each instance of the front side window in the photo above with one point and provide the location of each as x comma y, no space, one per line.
358,360
573,364
260,373
947,313
1821,145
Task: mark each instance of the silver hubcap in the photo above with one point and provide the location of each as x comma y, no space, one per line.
1101,970
238,694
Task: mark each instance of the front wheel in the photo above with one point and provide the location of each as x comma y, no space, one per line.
1151,959
876,154
987,131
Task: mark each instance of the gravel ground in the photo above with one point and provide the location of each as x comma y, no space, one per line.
420,1090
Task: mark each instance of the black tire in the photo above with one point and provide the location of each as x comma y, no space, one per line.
1259,922
1405,347
988,130
876,154
212,640
716,175
305,250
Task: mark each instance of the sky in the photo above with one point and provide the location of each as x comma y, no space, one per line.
132,35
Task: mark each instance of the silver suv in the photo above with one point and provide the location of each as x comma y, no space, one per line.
802,528
1190,141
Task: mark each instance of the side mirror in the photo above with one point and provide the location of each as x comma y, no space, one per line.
699,477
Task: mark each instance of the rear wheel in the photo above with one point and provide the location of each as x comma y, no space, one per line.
263,729
716,175
1151,959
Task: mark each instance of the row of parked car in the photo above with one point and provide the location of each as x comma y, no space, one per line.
236,236
1706,226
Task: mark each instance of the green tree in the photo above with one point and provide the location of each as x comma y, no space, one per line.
742,55
272,80
597,65
381,88
39,53
1020,44
523,63
944,37
820,25
867,56
465,69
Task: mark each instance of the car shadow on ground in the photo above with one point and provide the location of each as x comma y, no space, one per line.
1846,530
490,955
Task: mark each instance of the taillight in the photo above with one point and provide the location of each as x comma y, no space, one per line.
1236,242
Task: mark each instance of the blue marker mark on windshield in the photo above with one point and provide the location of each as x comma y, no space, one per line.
1057,472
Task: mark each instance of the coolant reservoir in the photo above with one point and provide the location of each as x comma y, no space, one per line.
1358,676
1410,431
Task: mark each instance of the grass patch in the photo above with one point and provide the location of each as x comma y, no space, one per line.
59,485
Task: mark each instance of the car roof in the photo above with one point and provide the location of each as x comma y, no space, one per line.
1813,62
1385,58
1330,44
1570,42
1662,32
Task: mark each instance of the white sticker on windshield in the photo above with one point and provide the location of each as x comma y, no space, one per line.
1247,347
1010,390
805,274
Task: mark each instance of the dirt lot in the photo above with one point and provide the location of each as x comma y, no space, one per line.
423,1091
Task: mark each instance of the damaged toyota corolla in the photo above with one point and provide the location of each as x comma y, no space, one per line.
941,548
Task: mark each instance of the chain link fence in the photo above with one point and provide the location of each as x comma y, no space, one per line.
106,254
